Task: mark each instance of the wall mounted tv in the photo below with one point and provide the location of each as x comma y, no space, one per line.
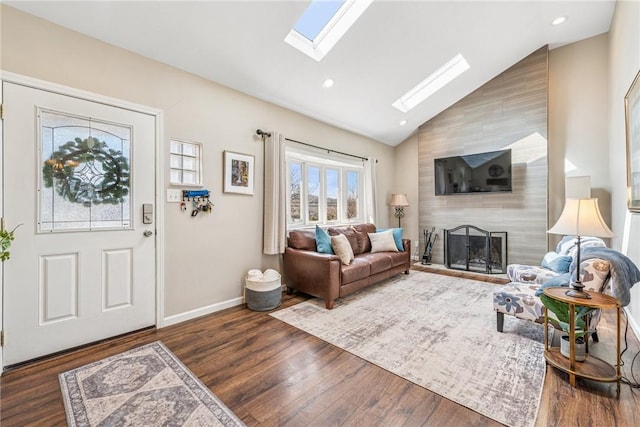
488,172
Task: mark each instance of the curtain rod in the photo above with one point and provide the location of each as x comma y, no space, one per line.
264,135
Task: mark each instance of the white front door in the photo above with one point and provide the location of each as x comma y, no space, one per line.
76,176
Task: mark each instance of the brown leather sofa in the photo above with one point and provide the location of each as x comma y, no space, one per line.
324,276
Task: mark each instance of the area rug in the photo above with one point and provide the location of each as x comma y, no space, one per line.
146,386
438,332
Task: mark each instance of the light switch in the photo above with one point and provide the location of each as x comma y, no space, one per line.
174,196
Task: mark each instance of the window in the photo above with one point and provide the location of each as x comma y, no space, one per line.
84,175
332,193
186,164
323,23
322,190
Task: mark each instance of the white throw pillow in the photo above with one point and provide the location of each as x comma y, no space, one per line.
342,248
383,242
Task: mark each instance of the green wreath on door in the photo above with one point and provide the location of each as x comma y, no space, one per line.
88,172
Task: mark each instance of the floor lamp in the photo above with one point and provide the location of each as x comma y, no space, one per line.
580,217
399,201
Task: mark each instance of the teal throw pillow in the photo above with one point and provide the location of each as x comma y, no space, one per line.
556,262
323,241
397,236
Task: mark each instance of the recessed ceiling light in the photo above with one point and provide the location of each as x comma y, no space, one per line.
436,81
559,20
403,122
327,83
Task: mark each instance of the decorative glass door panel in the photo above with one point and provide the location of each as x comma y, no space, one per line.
84,174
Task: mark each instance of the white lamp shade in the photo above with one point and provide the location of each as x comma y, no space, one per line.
581,217
577,187
399,199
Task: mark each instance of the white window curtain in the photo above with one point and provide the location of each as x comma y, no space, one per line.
275,224
370,189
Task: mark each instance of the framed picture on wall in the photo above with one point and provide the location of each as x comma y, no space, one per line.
632,123
238,173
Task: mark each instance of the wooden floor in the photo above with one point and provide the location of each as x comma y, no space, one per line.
272,374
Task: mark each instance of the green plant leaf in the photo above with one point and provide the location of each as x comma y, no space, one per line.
561,310
6,237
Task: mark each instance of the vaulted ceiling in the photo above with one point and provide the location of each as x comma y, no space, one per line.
392,47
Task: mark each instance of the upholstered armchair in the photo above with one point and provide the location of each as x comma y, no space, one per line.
521,297
556,263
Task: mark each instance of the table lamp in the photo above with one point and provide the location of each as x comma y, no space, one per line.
399,201
580,217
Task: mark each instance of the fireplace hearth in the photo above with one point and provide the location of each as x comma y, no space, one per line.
471,248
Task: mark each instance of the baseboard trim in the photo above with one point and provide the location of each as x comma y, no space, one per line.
198,312
632,322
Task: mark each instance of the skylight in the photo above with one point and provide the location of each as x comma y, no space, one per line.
323,23
436,81
316,17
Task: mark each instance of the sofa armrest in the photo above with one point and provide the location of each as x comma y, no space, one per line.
313,273
406,244
532,274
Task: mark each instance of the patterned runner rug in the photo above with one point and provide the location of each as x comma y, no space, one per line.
146,386
438,332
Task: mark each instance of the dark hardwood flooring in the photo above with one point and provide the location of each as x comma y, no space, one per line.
272,374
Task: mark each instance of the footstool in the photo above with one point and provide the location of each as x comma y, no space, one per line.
519,300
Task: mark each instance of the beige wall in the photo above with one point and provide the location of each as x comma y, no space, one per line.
406,181
206,257
624,63
578,122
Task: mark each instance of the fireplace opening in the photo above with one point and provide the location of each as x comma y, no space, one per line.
472,249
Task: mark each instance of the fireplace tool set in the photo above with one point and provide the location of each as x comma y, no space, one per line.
430,238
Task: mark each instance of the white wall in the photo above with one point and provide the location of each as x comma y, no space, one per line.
624,63
208,256
579,122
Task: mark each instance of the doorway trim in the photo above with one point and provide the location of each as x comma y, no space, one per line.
158,166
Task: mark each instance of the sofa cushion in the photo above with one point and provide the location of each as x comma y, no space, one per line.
302,239
518,299
556,262
569,244
342,248
594,274
397,236
357,270
363,230
323,241
378,262
355,238
397,258
383,241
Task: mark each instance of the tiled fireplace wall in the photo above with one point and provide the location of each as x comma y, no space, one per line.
510,111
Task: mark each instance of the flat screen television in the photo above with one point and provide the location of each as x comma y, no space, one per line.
488,172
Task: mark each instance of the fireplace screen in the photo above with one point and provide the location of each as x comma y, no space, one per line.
473,249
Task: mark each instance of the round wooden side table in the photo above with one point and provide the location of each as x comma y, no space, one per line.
592,368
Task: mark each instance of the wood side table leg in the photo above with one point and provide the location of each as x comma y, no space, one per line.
572,344
619,362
